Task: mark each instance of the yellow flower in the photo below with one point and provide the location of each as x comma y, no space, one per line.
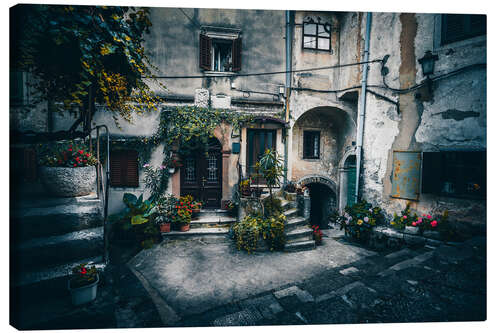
360,222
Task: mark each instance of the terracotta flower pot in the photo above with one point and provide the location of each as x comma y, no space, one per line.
184,227
165,227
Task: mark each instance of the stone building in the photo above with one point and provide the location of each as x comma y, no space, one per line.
433,131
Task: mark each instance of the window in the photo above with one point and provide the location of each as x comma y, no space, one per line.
455,174
258,140
456,27
311,144
124,168
220,50
316,36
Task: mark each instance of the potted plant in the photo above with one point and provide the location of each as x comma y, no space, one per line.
164,223
183,213
83,284
165,207
270,167
245,187
67,169
173,164
358,220
317,234
231,207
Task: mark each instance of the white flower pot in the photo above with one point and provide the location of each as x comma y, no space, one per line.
68,182
84,294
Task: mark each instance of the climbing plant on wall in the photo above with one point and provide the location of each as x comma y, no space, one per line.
187,128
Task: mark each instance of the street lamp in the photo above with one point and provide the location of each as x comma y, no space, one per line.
427,62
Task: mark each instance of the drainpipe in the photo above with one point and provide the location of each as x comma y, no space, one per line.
361,113
288,82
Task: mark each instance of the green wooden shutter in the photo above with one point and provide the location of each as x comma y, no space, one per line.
351,186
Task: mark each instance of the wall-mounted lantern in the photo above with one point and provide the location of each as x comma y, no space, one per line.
427,63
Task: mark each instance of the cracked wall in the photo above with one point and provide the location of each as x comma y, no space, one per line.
454,119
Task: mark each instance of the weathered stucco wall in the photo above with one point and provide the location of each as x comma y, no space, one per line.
174,43
454,119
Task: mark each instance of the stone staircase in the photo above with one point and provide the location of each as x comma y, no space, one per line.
208,223
298,233
50,235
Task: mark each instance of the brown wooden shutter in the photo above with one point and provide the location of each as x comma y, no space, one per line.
124,169
132,169
237,48
205,52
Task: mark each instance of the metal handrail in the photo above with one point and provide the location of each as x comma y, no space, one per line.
102,187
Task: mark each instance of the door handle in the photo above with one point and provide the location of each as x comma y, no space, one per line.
203,180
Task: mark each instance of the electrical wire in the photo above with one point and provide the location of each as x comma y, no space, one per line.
262,73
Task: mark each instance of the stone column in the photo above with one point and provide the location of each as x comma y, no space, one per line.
306,212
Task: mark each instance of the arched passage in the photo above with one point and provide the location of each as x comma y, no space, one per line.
323,193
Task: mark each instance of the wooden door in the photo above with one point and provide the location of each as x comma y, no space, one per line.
201,176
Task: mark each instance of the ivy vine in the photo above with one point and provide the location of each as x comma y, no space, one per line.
188,128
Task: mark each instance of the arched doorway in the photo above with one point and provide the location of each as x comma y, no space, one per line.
347,192
323,194
201,175
323,203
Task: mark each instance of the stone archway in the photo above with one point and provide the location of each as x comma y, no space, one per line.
323,194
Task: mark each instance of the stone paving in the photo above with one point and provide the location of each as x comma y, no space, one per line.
209,283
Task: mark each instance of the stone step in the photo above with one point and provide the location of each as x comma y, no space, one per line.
30,277
212,223
196,232
295,223
299,235
56,250
292,212
212,212
55,220
300,246
41,201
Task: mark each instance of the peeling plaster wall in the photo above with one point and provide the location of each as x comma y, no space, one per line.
454,119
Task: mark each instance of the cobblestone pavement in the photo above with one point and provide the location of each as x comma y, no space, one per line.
426,284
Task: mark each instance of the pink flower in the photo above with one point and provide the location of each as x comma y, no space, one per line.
414,224
429,217
419,220
147,165
366,219
434,223
404,216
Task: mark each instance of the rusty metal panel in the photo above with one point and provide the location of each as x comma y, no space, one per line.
406,172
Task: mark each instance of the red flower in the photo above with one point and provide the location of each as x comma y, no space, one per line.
80,152
84,161
69,149
74,165
87,154
83,271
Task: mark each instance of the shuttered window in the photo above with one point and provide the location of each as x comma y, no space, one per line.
124,168
205,52
220,55
454,174
311,144
237,55
456,27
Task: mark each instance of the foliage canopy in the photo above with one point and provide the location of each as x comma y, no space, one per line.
79,55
